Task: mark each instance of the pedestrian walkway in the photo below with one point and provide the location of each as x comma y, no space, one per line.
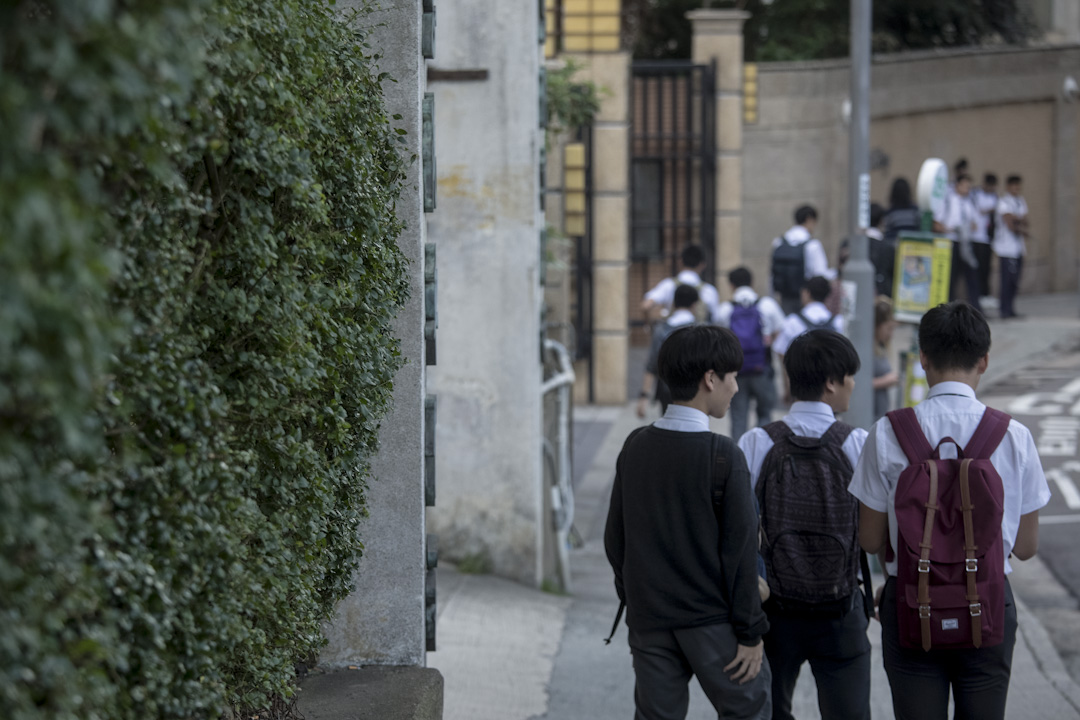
508,652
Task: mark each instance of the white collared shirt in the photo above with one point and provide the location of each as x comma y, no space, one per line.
772,317
951,410
961,216
1008,244
683,419
794,326
806,419
815,262
663,293
986,203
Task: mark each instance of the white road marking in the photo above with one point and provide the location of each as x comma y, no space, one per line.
1069,493
1058,519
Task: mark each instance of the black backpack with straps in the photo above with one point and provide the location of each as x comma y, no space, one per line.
810,524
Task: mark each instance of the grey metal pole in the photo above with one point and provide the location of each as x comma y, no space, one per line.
858,268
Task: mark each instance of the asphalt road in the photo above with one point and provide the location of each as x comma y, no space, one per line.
1045,397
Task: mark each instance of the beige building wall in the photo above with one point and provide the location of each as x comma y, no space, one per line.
1004,110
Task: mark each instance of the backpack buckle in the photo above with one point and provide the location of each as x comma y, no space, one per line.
975,609
971,565
924,611
924,567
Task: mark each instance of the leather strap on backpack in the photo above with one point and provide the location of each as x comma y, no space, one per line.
971,563
924,557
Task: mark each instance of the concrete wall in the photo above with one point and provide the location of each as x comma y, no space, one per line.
382,622
1001,109
486,230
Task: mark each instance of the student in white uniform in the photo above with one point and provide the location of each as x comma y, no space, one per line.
986,202
954,342
797,256
1009,245
812,316
663,294
960,224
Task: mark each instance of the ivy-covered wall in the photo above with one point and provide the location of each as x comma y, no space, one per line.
197,274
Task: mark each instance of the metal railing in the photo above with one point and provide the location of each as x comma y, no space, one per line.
557,395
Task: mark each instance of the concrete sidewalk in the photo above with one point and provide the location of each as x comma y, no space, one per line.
508,652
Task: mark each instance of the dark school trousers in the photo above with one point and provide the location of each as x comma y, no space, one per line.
838,651
1010,282
921,680
665,660
970,275
985,256
761,387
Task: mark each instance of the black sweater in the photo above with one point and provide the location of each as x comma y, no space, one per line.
675,567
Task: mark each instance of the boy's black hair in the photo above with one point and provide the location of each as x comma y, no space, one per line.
900,194
818,287
740,277
692,256
961,166
1012,179
814,358
962,177
685,297
804,213
877,214
989,179
954,336
690,352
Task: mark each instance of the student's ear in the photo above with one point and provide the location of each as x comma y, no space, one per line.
709,381
983,363
923,361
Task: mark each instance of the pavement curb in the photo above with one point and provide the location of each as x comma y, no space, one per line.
1034,634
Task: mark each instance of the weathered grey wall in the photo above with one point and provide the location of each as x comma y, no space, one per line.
1003,110
486,230
382,622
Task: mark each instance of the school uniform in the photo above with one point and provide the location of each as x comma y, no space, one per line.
759,386
794,326
815,261
960,222
836,648
986,204
1010,249
979,678
690,585
663,293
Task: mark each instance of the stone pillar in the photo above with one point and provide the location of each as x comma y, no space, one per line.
1066,154
717,37
382,621
610,163
489,508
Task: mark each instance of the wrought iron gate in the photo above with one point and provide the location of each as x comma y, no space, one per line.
672,173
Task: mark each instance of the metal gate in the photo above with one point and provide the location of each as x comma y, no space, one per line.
672,174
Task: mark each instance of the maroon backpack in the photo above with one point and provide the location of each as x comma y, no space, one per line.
950,561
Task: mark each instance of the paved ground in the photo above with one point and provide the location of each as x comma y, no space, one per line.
514,653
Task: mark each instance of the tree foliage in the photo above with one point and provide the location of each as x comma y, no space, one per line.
816,29
198,273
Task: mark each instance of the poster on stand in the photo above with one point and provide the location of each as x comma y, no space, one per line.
923,267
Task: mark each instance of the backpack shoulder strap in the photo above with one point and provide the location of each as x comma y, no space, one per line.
778,431
988,435
910,435
809,325
837,434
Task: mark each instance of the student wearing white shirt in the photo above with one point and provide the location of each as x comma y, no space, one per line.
757,380
682,314
986,202
960,224
822,367
954,343
813,315
1009,245
814,261
663,294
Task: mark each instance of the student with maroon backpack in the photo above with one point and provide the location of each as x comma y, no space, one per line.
949,491
800,468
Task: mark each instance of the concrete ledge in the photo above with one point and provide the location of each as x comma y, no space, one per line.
373,693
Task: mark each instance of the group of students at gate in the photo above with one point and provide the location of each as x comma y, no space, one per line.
740,562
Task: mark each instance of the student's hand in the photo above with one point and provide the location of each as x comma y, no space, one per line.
747,662
642,404
877,602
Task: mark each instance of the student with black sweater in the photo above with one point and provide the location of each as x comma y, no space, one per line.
681,537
